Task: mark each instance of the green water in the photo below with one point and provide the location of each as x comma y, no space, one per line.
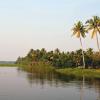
16,84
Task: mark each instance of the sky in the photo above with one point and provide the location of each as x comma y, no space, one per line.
26,24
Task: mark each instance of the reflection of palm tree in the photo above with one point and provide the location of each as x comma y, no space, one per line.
94,26
79,30
82,89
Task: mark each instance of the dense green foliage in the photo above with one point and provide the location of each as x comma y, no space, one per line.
61,59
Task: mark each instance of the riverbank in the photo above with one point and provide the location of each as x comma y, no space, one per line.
40,67
88,73
43,68
76,72
8,65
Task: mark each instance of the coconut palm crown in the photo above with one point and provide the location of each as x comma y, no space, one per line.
79,30
93,25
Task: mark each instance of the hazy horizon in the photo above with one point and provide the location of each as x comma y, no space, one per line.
26,24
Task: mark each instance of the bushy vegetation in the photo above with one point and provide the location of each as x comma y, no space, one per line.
40,68
59,59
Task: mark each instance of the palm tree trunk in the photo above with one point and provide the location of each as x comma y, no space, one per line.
82,53
97,42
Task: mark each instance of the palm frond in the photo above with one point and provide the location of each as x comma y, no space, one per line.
93,33
93,25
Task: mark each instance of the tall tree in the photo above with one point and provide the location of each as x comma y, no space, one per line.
93,25
79,30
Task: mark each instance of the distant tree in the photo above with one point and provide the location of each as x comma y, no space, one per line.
96,60
61,59
78,57
89,57
57,51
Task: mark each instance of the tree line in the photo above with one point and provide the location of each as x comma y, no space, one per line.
76,58
60,59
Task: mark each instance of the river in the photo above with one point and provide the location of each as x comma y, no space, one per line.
16,84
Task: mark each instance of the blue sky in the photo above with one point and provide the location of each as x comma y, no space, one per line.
26,24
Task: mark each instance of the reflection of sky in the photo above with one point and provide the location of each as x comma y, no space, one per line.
26,24
18,85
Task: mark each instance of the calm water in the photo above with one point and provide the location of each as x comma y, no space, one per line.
19,85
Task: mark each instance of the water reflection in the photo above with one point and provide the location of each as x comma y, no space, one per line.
84,85
16,84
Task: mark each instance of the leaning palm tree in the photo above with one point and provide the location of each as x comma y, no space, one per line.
93,25
79,30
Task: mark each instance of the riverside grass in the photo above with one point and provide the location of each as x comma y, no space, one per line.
77,72
43,68
88,73
8,65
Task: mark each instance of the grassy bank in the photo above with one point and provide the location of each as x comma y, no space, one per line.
43,68
8,65
88,73
77,72
38,68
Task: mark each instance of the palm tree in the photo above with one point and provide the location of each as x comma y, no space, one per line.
79,30
93,25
